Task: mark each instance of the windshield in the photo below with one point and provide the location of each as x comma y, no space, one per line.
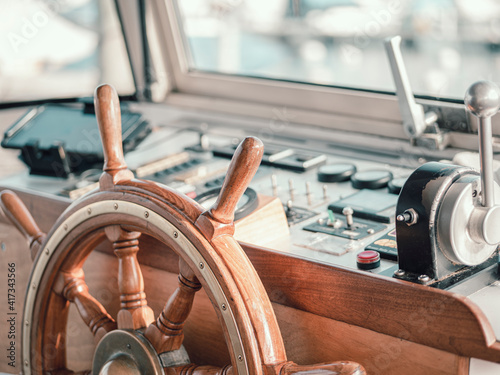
447,44
60,49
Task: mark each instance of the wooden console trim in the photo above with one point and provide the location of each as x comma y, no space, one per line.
411,312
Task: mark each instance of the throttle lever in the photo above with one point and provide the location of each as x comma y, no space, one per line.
455,226
482,99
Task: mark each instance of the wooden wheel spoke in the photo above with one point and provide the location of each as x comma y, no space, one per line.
219,219
135,312
199,370
166,333
65,371
335,368
107,110
18,214
71,285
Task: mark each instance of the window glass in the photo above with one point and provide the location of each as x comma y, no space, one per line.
60,48
447,44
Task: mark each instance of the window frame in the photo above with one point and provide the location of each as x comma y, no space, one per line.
308,104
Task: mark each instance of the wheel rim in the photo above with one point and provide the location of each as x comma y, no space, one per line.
122,210
158,225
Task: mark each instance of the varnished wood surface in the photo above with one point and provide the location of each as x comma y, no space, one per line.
255,322
300,283
248,300
219,219
193,369
245,296
424,315
308,338
155,191
107,110
167,333
18,214
135,312
339,368
72,286
244,165
311,338
49,334
44,209
255,299
257,327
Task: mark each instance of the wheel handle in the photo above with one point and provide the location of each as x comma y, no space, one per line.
18,214
107,110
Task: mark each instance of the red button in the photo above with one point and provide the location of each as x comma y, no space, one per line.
368,259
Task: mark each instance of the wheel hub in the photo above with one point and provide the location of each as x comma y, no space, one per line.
125,352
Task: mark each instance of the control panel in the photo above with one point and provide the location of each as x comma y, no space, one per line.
398,217
336,207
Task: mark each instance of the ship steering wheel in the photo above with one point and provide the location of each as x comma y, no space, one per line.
122,209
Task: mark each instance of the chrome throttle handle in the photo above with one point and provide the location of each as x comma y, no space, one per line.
482,99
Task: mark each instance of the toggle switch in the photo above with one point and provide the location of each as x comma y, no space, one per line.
291,189
309,193
289,209
325,192
204,142
348,212
274,184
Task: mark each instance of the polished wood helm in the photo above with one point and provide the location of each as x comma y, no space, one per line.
121,210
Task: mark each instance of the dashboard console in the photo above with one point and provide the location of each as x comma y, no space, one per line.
371,231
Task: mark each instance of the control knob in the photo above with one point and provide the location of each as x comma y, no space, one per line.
336,172
374,179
